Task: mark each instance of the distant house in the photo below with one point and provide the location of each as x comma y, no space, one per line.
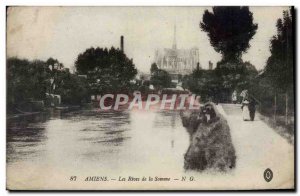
53,99
82,76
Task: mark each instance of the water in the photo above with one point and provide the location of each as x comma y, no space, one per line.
45,154
98,143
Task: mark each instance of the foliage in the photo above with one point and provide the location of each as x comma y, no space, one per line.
277,79
229,29
154,67
26,79
54,64
106,70
32,80
236,75
204,83
280,67
161,79
72,88
219,83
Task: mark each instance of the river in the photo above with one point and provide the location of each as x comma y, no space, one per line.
89,143
130,145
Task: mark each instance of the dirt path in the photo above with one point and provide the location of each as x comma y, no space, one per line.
258,147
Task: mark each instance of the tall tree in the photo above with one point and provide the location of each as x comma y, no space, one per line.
280,65
229,29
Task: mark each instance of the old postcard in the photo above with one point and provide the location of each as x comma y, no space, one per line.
150,98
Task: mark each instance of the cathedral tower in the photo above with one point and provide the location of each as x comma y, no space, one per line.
174,47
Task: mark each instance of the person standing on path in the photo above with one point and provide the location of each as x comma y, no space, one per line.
234,97
245,108
252,108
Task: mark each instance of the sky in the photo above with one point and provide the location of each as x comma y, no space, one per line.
65,32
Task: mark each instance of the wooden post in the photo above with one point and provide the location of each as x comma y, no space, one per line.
286,108
275,107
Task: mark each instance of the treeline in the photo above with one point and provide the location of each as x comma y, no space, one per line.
275,85
98,71
27,80
218,84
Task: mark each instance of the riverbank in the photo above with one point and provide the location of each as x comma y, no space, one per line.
20,118
210,140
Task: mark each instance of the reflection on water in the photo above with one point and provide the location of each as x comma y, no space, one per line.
103,141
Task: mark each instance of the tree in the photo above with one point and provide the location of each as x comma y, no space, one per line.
25,79
72,88
229,29
236,75
153,68
280,65
54,68
54,64
32,80
106,70
204,83
161,79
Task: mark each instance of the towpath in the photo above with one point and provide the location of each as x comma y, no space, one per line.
259,147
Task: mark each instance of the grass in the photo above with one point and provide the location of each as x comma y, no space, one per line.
286,131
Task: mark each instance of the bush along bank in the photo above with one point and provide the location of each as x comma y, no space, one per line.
210,140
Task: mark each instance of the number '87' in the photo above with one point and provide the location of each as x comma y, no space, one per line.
73,178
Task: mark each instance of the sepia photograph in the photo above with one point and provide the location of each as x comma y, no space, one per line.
160,98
